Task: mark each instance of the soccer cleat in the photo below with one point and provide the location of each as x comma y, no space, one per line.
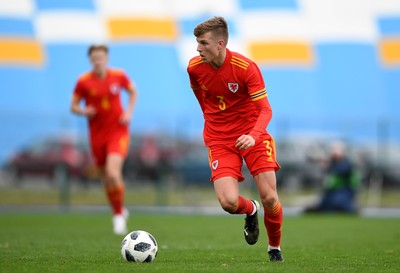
251,230
125,213
275,255
119,222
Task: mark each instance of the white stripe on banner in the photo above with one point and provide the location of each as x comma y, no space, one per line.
386,7
70,27
339,20
273,25
176,8
16,8
133,8
183,9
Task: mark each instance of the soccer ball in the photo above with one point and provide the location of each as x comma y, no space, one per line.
139,246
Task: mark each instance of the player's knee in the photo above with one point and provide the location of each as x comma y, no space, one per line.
228,205
112,175
269,201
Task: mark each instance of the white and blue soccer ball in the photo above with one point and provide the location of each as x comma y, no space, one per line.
139,246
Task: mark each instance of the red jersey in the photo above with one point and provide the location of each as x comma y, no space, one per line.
233,98
104,95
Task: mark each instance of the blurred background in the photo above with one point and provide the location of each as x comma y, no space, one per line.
332,70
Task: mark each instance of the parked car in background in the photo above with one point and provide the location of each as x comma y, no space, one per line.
52,158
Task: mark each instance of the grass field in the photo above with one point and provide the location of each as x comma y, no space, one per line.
83,242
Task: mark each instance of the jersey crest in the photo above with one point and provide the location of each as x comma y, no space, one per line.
214,164
114,88
233,86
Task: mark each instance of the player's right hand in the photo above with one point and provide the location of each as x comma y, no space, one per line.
244,142
89,111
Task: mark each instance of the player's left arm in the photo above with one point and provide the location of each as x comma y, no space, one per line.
127,114
258,94
264,117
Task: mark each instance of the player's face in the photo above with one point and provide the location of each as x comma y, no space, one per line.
99,60
209,48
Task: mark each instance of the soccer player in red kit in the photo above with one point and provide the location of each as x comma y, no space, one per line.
108,125
232,95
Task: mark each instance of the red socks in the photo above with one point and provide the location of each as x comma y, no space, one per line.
115,197
273,223
273,218
245,206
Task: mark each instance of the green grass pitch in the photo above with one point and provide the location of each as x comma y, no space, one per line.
83,242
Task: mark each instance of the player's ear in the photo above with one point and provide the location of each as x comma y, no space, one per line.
221,44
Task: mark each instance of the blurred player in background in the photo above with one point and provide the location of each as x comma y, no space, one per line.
232,95
108,125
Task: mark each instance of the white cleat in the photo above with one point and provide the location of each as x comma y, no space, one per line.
125,213
119,222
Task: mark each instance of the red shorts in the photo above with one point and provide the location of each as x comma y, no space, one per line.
114,143
226,160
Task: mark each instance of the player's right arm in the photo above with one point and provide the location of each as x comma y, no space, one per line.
198,92
88,111
194,85
75,107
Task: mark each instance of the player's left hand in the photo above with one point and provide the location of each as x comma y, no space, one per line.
125,118
244,142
